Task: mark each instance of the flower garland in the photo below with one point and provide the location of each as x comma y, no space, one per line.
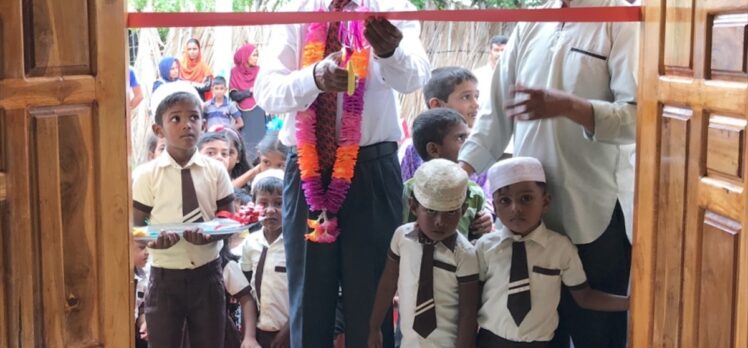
327,202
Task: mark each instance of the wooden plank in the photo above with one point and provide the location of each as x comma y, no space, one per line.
24,328
729,53
669,239
49,229
678,15
717,286
724,97
648,132
56,39
725,146
11,40
48,91
721,196
112,127
3,190
4,236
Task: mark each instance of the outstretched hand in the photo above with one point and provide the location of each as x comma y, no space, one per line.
165,240
382,35
329,76
197,237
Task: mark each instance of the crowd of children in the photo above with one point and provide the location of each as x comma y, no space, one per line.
458,279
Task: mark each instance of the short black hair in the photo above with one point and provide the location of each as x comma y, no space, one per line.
268,184
211,136
218,80
498,40
174,99
444,80
431,126
242,196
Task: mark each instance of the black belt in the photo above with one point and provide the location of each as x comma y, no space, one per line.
370,152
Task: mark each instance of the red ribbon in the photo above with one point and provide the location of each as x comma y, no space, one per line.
242,218
214,19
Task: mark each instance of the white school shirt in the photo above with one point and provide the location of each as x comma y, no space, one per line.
595,61
551,259
284,86
273,305
234,281
157,189
453,264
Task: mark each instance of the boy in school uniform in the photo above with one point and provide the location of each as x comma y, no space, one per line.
183,186
220,110
439,133
264,264
432,266
523,265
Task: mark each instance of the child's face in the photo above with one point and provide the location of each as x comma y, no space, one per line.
139,254
520,206
181,127
192,50
464,99
160,146
495,54
174,71
219,91
437,225
450,147
272,160
271,206
218,150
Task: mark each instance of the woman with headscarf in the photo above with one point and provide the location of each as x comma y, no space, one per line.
241,90
168,82
194,70
168,71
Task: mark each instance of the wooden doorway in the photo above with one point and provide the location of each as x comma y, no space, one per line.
64,178
690,262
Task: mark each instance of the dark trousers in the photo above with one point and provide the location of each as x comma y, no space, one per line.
487,339
607,263
253,131
369,216
192,299
265,338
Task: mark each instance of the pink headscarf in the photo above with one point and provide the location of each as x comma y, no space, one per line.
243,76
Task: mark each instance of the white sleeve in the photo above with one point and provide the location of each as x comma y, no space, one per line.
142,195
282,85
233,278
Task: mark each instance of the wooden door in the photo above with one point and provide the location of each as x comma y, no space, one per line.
690,262
64,187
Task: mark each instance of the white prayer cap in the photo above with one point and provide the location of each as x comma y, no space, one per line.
274,173
514,170
440,185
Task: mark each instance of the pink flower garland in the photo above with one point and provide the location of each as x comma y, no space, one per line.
328,202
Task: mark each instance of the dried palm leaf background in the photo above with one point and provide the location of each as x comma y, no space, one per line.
447,44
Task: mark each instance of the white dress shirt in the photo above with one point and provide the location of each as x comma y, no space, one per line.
595,61
283,86
453,264
273,304
551,259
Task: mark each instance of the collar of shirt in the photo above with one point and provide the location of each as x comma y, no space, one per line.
214,103
165,160
449,242
538,235
264,240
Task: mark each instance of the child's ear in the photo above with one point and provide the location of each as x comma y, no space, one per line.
435,103
433,150
158,130
546,201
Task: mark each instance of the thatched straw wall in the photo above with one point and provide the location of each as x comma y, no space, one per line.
461,44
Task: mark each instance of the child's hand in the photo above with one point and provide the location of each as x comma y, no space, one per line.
282,339
250,343
143,331
375,339
196,237
482,223
165,240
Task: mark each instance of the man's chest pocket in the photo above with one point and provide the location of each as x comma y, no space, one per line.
280,267
545,282
585,69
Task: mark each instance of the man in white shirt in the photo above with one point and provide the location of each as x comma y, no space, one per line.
567,92
372,208
484,74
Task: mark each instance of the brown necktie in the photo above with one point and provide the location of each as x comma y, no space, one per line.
518,301
327,103
260,270
190,207
425,319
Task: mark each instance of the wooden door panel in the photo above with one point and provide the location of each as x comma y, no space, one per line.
58,42
690,262
717,285
65,219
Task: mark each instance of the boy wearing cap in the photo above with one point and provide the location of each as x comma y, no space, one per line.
433,267
522,266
